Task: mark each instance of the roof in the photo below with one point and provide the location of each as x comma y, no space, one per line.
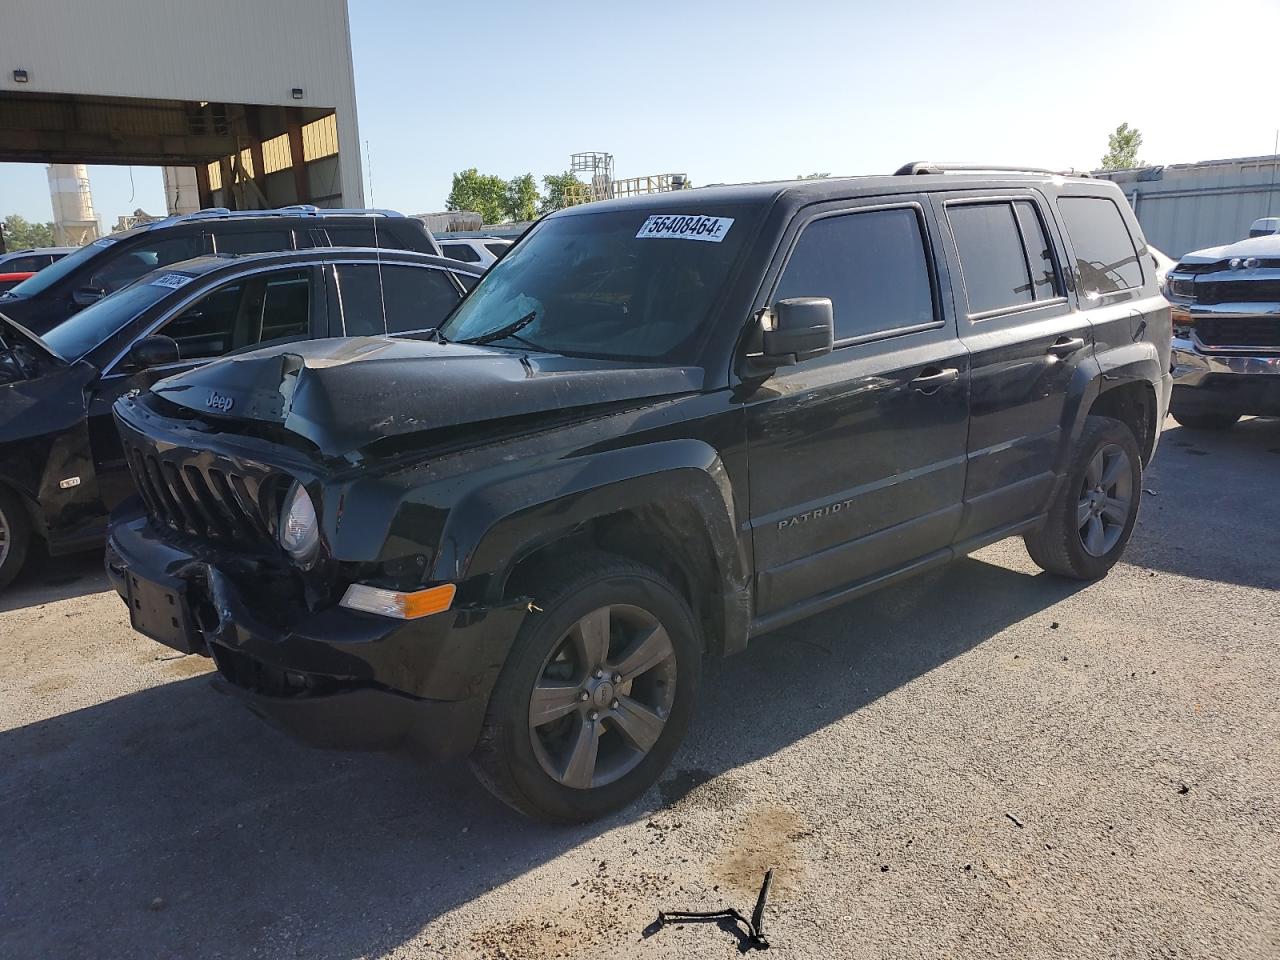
300,210
209,263
814,191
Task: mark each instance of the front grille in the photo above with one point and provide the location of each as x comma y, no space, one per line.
1238,291
188,494
1238,331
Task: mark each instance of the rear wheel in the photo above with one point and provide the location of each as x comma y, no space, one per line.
596,692
1092,517
15,537
1206,421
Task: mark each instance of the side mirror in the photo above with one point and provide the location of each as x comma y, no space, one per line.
154,351
796,330
83,296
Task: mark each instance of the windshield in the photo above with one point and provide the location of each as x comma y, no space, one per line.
81,332
50,275
618,285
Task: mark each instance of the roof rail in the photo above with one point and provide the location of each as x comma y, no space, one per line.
921,167
295,210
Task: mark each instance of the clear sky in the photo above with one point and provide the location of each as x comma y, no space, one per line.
731,90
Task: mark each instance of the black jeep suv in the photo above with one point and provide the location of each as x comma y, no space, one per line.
659,427
44,300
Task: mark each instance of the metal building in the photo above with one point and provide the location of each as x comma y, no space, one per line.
256,100
1188,206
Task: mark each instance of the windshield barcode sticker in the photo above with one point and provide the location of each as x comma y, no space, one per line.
171,280
712,229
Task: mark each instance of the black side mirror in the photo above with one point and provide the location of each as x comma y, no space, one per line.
154,351
83,296
796,330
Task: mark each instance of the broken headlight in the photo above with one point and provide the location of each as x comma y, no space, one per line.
300,527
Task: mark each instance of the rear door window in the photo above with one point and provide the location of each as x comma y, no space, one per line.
253,241
413,298
355,235
991,256
873,267
1106,259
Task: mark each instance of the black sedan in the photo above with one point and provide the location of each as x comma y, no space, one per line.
61,464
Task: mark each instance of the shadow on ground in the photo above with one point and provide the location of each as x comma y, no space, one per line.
47,579
172,823
1215,509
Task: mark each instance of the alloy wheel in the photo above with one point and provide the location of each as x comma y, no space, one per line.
602,697
6,538
1106,496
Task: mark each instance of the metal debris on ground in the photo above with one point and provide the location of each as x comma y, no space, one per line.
752,939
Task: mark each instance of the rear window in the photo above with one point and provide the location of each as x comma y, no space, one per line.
497,249
1106,258
460,251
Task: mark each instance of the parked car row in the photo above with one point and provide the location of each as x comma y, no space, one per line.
105,321
659,427
19,265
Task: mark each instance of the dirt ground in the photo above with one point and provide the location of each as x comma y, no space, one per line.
987,762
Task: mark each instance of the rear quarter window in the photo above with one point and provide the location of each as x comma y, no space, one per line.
1107,260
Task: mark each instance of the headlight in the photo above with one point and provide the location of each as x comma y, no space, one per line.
1182,288
299,526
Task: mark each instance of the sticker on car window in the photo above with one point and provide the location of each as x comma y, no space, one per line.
104,242
685,227
171,280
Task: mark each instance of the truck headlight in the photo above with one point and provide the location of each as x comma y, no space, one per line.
1183,288
299,526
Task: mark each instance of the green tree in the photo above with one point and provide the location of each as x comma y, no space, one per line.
557,185
812,176
1122,149
484,194
20,233
522,198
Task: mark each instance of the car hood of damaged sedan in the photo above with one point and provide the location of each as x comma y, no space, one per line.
343,394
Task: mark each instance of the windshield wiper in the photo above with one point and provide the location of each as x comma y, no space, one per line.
515,326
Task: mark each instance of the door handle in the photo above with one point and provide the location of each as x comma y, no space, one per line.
932,379
1065,345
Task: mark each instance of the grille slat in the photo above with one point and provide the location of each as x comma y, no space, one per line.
180,492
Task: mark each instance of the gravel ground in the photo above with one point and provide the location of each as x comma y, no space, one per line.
987,762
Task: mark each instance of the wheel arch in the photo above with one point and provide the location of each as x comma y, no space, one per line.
667,505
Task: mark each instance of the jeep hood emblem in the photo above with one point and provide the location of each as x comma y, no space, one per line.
218,401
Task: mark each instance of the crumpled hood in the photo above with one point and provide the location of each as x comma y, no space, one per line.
1260,247
344,394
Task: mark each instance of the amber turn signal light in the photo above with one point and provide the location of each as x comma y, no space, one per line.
398,604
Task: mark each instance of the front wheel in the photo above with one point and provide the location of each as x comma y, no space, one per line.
1092,516
596,692
15,536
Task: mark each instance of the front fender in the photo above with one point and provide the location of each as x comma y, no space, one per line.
1111,368
495,526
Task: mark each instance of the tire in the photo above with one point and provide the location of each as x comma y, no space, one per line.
15,537
1206,421
1085,531
540,768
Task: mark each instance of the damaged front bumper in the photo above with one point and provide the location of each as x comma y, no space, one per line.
331,677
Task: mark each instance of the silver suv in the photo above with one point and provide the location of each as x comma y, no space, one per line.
1226,333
